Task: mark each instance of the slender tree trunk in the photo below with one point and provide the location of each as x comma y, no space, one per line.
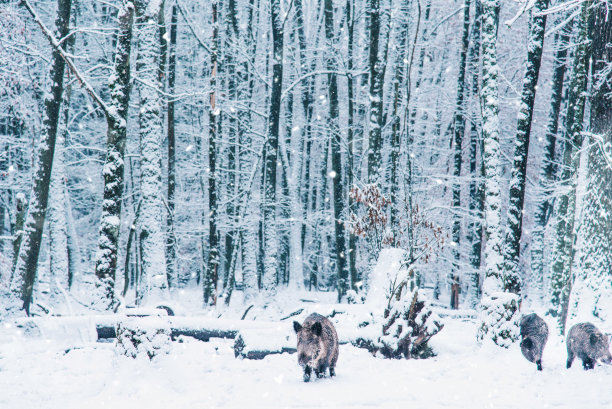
337,172
171,243
212,270
110,222
547,170
72,241
459,130
24,276
375,94
350,159
561,277
269,278
248,233
535,43
476,172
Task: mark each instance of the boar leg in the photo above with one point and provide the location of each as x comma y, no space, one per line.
307,372
321,371
570,358
332,372
587,364
539,364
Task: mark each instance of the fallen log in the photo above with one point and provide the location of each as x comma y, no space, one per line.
259,343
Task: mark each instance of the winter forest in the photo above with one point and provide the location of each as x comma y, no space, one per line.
181,180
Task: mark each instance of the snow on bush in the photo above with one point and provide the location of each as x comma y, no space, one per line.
143,337
401,315
500,318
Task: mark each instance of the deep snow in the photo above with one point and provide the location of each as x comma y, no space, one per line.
38,373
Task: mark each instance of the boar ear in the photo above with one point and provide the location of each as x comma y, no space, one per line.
317,328
296,326
593,339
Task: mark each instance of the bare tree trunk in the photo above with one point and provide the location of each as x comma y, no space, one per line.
537,24
212,270
24,276
171,243
114,166
153,284
459,131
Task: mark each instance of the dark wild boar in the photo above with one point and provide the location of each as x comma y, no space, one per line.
534,334
586,342
317,346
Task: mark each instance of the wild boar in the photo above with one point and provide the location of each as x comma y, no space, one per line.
586,342
534,334
317,346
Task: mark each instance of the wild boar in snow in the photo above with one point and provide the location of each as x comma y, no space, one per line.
586,342
534,334
317,346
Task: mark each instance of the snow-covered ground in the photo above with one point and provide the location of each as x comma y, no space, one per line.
38,373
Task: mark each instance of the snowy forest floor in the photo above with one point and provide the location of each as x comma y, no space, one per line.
37,372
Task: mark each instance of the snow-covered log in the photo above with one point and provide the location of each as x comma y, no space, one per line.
257,343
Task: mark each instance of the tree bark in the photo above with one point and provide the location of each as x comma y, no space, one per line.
561,277
153,284
114,166
171,242
547,170
24,277
269,278
459,130
595,273
212,270
535,43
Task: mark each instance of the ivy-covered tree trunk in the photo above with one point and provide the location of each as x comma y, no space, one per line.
592,290
459,131
499,316
24,276
153,284
113,171
547,169
563,251
535,43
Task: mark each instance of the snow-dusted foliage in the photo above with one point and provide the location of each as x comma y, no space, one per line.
500,318
402,319
143,338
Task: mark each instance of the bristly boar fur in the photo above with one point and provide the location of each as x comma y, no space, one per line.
317,346
586,342
534,334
